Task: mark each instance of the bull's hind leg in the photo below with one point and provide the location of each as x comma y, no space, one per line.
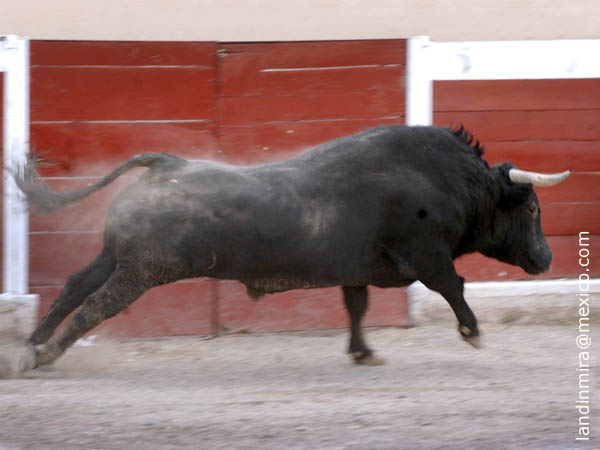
78,287
356,299
121,289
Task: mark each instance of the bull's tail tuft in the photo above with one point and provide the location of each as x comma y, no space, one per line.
43,200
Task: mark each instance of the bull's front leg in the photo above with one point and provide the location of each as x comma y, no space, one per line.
451,286
356,300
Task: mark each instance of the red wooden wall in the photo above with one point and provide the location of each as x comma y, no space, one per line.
94,104
279,98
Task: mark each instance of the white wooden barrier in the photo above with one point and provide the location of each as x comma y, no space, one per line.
18,309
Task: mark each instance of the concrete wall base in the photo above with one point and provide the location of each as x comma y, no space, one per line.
539,302
18,315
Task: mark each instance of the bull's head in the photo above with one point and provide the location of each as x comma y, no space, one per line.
516,228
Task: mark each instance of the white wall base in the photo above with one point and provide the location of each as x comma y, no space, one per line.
551,301
18,315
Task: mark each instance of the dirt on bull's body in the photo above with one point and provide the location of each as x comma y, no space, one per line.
300,391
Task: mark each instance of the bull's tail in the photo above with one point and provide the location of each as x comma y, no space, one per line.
42,199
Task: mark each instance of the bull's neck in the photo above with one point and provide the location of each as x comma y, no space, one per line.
479,224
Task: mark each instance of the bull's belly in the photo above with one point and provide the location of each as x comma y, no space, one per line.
261,286
269,282
271,274
258,287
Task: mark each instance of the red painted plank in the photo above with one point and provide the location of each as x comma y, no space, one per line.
370,80
277,141
355,105
110,53
501,126
75,93
547,156
387,307
246,79
516,95
308,309
175,309
239,74
52,258
94,149
476,267
322,53
579,187
570,218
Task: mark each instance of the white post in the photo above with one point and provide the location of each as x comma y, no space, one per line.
17,309
419,84
16,148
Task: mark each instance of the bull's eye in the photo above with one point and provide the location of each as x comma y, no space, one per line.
533,209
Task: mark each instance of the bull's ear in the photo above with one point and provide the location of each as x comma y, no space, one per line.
513,194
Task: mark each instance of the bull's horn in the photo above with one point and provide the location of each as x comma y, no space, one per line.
537,179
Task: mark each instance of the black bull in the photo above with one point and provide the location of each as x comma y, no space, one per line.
384,207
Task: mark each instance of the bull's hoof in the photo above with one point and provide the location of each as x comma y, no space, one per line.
29,360
475,341
469,336
367,359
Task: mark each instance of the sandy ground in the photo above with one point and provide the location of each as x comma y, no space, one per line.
300,391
